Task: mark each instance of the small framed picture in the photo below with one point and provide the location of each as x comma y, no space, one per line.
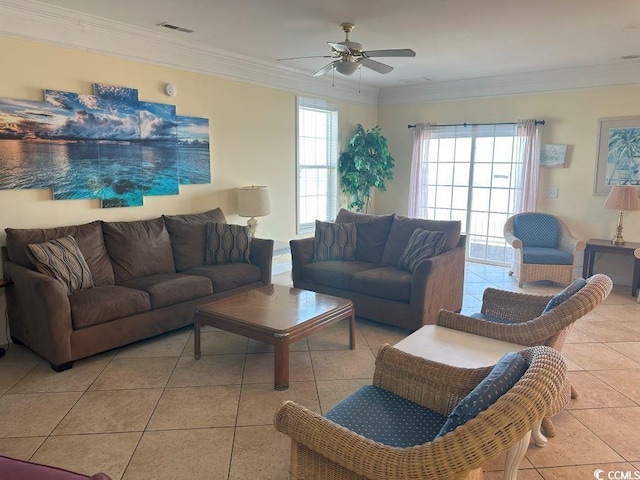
553,155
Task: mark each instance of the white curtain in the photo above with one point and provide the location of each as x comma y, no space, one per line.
528,138
418,181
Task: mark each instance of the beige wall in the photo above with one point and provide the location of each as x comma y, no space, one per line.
571,118
252,133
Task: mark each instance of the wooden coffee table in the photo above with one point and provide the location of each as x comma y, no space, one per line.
277,315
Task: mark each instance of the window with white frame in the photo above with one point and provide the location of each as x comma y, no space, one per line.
317,163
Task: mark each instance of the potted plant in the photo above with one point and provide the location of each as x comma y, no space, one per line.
365,164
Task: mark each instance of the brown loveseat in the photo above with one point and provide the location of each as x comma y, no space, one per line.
149,276
380,290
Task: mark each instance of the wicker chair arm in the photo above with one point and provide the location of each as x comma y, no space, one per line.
512,240
521,333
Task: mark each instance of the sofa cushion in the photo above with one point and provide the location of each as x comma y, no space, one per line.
189,236
334,273
502,377
537,230
422,244
227,276
385,417
227,243
88,237
138,249
372,233
402,228
546,256
570,290
171,288
105,303
62,259
383,282
334,241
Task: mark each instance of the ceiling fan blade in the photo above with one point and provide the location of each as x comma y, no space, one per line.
300,58
327,68
376,66
398,52
338,47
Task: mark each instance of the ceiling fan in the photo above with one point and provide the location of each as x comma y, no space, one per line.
348,56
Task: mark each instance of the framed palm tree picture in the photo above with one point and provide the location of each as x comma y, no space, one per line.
618,153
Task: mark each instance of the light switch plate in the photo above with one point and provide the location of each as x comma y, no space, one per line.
552,192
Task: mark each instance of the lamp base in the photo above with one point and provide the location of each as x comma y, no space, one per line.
253,224
618,240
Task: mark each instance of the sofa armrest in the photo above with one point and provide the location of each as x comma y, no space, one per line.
39,312
301,255
438,282
568,242
261,255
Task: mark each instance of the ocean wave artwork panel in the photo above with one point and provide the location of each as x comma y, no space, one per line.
108,146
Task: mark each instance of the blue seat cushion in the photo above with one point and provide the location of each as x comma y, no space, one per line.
384,417
537,230
546,256
563,295
490,318
502,377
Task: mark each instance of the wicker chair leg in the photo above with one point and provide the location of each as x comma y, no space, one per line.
547,427
574,393
514,456
539,439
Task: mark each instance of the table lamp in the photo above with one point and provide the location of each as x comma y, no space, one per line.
253,201
621,198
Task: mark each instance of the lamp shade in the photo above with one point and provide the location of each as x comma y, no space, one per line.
253,201
622,198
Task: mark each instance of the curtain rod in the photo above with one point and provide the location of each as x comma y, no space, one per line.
538,122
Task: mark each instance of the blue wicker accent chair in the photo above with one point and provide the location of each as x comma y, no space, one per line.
426,420
545,248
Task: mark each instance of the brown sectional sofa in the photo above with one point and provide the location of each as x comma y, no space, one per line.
149,276
379,290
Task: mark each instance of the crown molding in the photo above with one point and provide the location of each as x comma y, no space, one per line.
32,20
44,23
627,73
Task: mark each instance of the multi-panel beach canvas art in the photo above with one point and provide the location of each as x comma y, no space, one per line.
108,146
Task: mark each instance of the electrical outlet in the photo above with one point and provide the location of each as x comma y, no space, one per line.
552,192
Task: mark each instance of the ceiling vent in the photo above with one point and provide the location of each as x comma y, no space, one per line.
175,27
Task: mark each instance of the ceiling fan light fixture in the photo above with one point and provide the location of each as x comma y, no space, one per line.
347,68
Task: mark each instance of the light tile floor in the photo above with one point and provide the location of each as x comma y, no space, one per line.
149,411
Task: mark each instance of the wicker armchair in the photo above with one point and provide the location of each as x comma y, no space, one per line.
545,248
322,449
522,322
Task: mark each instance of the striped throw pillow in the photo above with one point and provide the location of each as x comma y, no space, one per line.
422,244
334,241
227,243
62,259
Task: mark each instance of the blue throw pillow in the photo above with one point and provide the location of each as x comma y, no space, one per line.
560,297
502,377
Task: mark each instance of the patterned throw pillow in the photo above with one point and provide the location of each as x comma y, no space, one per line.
422,244
334,241
227,243
565,294
62,259
504,375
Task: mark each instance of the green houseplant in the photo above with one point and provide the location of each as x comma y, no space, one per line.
365,164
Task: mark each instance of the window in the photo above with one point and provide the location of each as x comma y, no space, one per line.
470,174
317,163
